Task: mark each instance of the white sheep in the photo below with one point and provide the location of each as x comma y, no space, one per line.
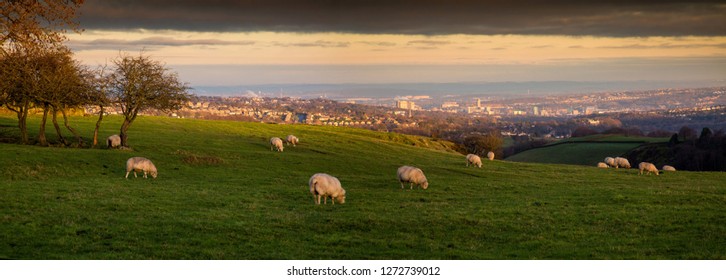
324,185
113,141
647,167
291,139
668,168
473,160
139,164
276,142
412,175
490,155
602,165
622,162
610,162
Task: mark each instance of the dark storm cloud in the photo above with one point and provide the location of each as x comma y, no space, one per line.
430,17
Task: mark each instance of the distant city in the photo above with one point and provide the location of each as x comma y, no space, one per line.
648,110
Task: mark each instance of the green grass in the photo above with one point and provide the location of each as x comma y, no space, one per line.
588,150
584,153
222,194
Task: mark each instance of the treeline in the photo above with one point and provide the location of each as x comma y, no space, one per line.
687,151
38,73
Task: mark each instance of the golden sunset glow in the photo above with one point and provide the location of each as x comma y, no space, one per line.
269,48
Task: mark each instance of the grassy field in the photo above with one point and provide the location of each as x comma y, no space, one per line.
222,194
587,150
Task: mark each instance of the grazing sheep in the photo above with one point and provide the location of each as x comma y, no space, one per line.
602,165
490,155
622,162
138,164
412,175
291,139
610,162
668,168
276,142
473,159
324,185
113,141
648,168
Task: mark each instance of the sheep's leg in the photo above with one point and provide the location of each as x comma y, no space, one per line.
411,186
318,199
127,174
145,174
325,198
135,174
401,185
332,199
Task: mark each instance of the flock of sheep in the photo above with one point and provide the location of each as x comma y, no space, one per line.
323,185
619,162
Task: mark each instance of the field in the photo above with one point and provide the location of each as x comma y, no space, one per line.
586,151
222,194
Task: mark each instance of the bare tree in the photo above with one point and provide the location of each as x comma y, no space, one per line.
36,24
140,83
98,81
29,28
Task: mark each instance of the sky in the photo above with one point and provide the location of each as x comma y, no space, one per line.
223,43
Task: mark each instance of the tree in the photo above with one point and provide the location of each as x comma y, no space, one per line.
17,88
36,24
97,94
581,131
140,83
60,85
28,30
481,144
687,133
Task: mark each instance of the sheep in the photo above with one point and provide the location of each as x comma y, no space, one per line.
138,164
647,167
276,142
602,165
610,162
324,185
113,141
473,160
412,175
291,139
622,162
490,155
668,168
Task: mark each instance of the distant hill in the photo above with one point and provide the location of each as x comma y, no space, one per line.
390,90
222,194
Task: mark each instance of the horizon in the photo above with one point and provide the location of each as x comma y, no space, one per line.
237,43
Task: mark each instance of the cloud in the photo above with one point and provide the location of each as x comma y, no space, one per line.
318,43
150,42
378,44
427,17
430,43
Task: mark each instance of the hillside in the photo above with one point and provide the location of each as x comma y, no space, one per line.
588,150
222,194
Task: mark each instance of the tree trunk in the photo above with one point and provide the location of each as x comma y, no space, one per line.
22,112
23,125
41,134
125,127
57,127
68,126
98,125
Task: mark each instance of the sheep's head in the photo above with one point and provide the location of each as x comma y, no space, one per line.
153,174
340,199
425,185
